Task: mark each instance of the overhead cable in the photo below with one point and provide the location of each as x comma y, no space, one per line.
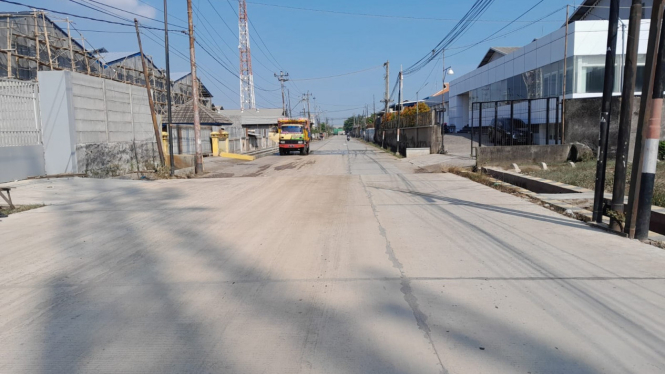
373,15
83,17
338,75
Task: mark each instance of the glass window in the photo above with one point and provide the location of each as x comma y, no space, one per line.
594,76
589,74
639,78
495,91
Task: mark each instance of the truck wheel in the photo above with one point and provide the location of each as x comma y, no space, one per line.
302,151
307,150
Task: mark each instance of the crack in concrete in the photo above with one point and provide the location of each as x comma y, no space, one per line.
405,282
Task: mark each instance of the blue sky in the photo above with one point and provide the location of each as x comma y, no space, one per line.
313,44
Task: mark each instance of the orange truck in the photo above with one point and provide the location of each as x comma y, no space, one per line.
294,135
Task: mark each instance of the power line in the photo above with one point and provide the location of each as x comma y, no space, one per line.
372,14
490,37
162,11
477,9
234,51
338,75
186,59
274,61
197,41
83,17
132,13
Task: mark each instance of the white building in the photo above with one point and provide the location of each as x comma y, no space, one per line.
536,70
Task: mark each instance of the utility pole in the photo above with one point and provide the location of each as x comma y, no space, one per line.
288,93
625,118
605,111
645,107
563,94
650,154
282,77
305,98
443,100
198,159
401,86
386,97
373,109
146,77
168,89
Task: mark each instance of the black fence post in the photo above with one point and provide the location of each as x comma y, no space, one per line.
480,125
529,122
471,128
557,129
547,122
512,122
496,120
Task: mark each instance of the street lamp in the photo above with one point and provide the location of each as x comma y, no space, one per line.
446,71
449,70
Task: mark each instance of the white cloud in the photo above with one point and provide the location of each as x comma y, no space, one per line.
133,6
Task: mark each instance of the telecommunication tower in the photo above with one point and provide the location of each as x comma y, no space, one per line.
247,100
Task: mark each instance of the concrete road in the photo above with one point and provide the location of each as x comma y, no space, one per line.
344,261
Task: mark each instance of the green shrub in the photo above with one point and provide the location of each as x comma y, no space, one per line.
661,151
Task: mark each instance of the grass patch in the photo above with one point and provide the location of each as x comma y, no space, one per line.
20,208
584,175
475,176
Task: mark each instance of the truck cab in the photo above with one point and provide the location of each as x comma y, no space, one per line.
294,135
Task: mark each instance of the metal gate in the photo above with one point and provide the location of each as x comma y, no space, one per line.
21,149
20,124
516,122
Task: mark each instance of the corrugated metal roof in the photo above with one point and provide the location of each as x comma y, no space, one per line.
184,114
266,116
496,50
110,57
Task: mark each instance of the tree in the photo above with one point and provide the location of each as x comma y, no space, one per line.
349,122
422,108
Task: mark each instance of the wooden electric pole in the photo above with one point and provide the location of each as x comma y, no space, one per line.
146,76
645,108
169,102
198,159
626,115
606,111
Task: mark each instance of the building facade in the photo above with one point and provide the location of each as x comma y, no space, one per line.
536,71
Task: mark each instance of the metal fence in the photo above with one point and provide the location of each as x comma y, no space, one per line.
516,122
398,140
236,135
183,140
20,124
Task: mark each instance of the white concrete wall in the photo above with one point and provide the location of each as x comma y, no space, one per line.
94,125
106,111
59,134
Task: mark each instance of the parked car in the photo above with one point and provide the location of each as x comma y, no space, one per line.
464,130
507,133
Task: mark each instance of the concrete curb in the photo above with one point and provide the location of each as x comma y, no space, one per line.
576,212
